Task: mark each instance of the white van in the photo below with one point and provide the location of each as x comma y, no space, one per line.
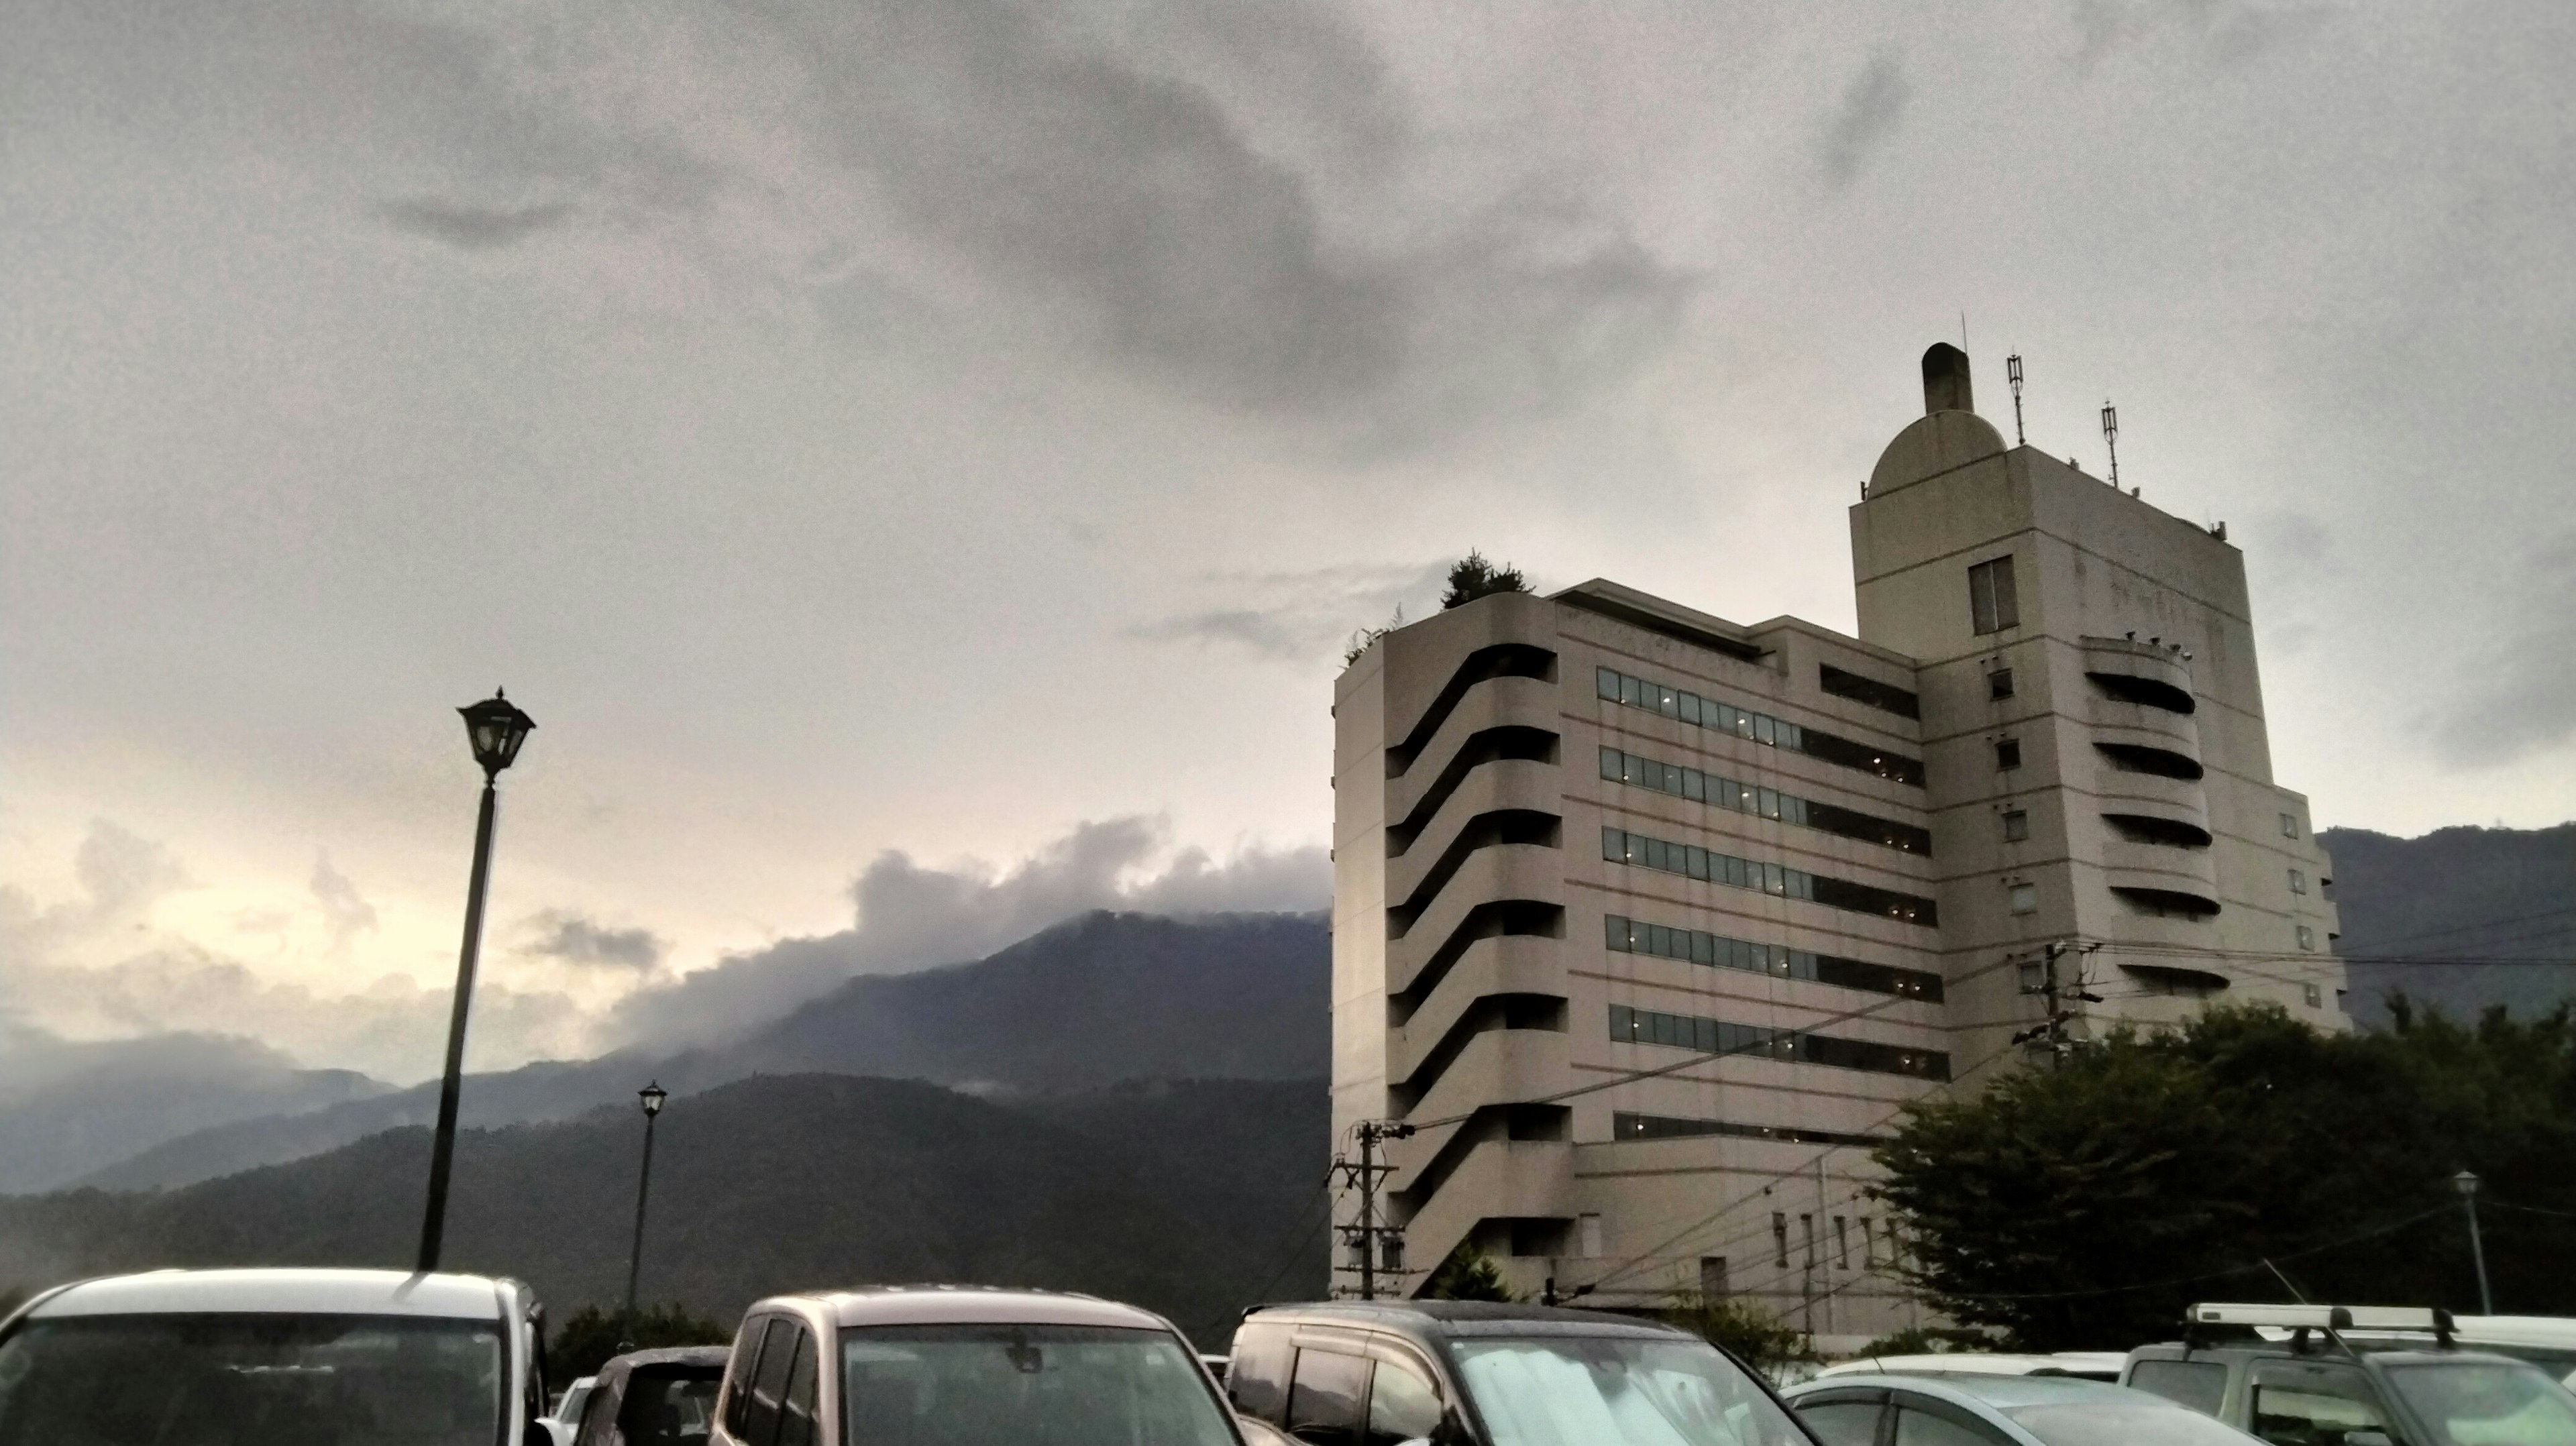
264,1357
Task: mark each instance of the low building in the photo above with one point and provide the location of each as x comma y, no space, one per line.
1646,922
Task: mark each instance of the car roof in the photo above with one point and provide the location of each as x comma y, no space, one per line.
1979,1363
971,1305
1462,1318
283,1291
2000,1392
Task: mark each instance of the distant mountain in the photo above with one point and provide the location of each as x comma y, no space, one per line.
1092,1001
69,1107
1190,1197
2457,894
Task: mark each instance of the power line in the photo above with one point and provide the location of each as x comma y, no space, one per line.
2355,1239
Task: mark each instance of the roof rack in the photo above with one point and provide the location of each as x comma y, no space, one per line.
2332,1319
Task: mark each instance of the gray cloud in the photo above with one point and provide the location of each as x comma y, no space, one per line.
2519,697
1871,107
576,940
345,912
1294,616
472,228
2226,31
911,917
121,876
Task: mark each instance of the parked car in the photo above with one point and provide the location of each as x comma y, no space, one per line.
964,1366
1475,1373
2547,1341
260,1357
663,1397
2353,1376
1998,1409
566,1416
2091,1365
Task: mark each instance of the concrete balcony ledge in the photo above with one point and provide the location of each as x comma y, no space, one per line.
2147,865
2178,798
2140,672
1497,1066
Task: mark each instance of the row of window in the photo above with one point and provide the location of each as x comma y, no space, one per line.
1728,793
1625,1126
1886,697
1870,1240
1617,687
1618,846
1634,936
1718,1036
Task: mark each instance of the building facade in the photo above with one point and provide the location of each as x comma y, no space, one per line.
1646,923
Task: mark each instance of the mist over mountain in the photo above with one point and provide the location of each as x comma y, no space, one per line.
1097,999
68,1108
2451,896
1193,1198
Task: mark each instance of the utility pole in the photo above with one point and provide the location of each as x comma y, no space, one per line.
2058,997
1367,1235
2467,1184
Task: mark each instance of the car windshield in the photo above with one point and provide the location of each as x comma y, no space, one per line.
1006,1385
236,1380
666,1407
2487,1403
1617,1391
2124,1423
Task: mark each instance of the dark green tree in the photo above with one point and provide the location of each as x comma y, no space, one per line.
1472,577
2086,1205
1755,1335
590,1335
1468,1274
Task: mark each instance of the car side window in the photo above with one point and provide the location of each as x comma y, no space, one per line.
1324,1398
739,1370
598,1420
1402,1406
1923,1425
769,1384
1256,1376
2313,1405
2201,1385
1843,1423
796,1412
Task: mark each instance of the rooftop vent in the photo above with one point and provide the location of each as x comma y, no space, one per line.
1945,380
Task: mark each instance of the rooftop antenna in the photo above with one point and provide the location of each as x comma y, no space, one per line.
2111,437
2012,374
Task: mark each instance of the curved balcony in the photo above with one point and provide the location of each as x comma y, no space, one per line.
1483,966
1523,873
1505,750
2172,831
2143,750
2157,866
2172,931
2141,673
2116,722
1489,1066
1518,828
2124,792
1505,785
2161,895
1502,701
1484,665
2176,980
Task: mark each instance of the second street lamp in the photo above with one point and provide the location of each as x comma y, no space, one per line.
2467,1184
495,728
652,1097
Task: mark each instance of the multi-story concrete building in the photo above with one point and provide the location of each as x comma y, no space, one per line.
1647,922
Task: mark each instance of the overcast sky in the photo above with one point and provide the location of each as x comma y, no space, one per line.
919,462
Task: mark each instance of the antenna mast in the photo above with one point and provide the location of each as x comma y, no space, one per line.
2012,374
2111,437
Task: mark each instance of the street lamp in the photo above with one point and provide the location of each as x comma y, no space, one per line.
652,1097
2467,1185
495,728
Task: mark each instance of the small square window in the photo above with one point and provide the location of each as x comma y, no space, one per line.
2034,978
2016,825
1999,683
2315,997
2298,882
2008,753
2024,898
2289,825
2307,938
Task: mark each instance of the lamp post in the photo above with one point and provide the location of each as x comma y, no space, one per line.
652,1097
495,728
2467,1185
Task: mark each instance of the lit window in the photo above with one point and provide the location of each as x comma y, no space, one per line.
2289,825
1992,606
1999,683
2025,900
2307,938
2016,825
2008,753
2298,882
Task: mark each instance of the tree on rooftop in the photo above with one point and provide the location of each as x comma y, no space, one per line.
1472,577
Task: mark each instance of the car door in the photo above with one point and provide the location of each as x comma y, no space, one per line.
1923,1420
1854,1417
2313,1403
1404,1406
1326,1395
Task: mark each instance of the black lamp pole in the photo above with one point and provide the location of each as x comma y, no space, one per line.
495,728
652,1097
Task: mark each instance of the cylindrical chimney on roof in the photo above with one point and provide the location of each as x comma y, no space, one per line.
1945,380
